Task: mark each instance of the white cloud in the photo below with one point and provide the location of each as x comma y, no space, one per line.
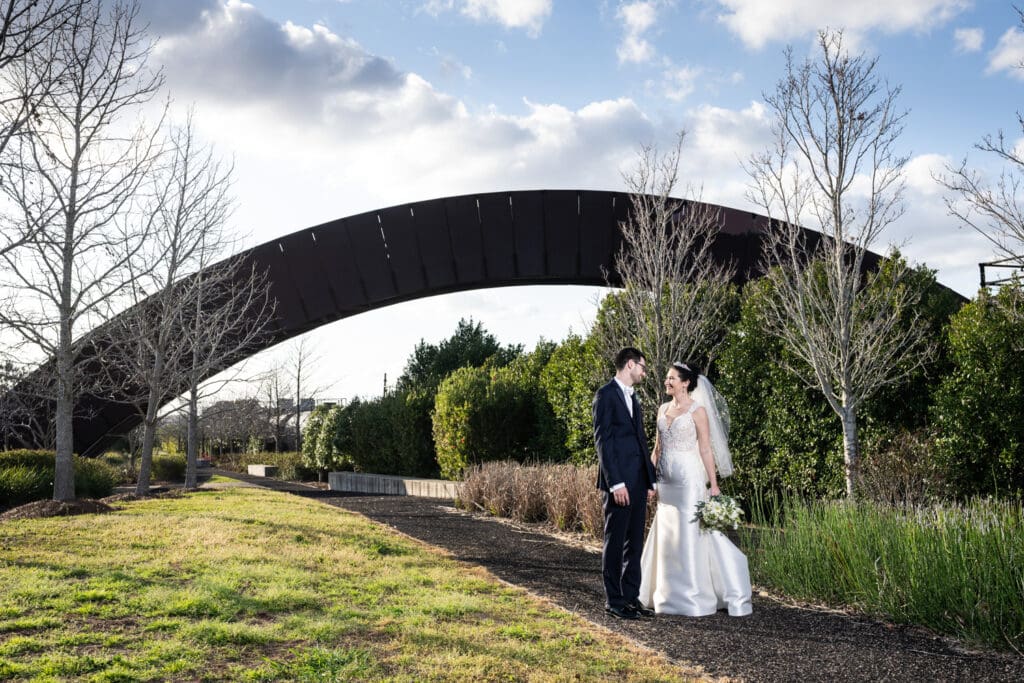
1008,54
638,17
757,22
259,61
516,14
969,39
723,140
920,173
680,82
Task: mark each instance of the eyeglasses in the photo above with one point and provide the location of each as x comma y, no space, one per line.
642,365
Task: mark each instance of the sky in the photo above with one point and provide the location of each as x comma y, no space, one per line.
330,108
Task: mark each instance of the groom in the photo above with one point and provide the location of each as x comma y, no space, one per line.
626,476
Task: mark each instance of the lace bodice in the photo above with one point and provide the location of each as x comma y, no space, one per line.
681,434
680,459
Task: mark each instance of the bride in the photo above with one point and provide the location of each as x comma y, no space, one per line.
685,569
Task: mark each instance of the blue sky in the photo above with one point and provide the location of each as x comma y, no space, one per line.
334,107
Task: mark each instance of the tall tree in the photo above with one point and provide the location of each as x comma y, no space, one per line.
834,165
146,353
76,173
676,298
994,208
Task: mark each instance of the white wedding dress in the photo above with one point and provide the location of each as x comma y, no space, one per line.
687,570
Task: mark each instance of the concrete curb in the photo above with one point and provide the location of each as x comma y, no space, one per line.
357,482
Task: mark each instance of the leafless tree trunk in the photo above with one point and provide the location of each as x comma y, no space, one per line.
78,168
675,300
836,125
995,209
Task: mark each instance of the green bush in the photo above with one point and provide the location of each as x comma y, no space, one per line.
417,455
488,414
570,378
977,410
290,465
784,436
29,458
333,447
27,475
458,437
115,459
95,478
20,484
379,434
311,433
168,467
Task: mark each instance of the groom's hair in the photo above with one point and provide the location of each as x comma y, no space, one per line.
628,354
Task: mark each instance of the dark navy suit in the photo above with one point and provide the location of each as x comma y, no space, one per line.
623,457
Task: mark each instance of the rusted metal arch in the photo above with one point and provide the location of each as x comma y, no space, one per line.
355,264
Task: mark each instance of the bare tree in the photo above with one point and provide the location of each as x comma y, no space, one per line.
304,356
676,296
280,408
27,27
149,360
836,125
994,208
78,168
231,315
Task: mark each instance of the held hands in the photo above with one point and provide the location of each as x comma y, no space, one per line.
621,496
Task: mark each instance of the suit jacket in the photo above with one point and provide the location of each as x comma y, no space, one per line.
622,452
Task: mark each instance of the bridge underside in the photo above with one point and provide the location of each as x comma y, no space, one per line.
355,264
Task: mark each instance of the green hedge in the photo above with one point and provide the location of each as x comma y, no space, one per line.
27,475
168,467
290,465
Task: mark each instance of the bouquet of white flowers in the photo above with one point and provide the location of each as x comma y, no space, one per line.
718,513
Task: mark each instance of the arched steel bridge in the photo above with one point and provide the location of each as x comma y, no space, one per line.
355,264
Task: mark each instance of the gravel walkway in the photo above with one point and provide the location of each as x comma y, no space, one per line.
777,643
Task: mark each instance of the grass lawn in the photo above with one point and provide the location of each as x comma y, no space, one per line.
252,585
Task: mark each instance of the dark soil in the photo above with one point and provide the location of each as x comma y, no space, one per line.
778,642
82,506
56,508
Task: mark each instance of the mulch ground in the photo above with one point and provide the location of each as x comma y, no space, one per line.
56,508
778,642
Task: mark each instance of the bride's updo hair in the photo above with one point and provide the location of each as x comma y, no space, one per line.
688,372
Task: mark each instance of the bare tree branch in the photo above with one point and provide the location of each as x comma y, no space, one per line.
77,173
993,207
27,27
834,165
676,297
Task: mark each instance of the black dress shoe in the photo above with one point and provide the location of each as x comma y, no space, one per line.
641,610
622,612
